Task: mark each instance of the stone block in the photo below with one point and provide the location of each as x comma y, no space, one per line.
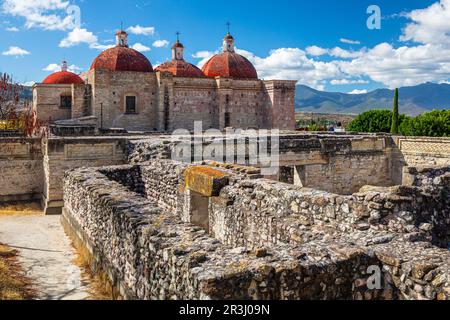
206,181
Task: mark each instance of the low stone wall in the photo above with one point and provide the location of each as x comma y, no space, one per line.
424,151
21,169
150,254
261,212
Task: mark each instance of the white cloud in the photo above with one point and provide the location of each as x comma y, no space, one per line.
316,51
293,64
204,56
430,25
340,82
348,41
101,47
345,54
337,52
54,67
43,14
28,83
140,47
12,29
356,91
160,43
403,66
16,52
78,36
139,30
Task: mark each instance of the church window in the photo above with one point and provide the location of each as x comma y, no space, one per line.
130,105
227,119
66,102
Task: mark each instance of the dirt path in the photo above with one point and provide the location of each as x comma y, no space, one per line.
46,255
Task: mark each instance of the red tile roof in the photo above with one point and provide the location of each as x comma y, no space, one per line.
63,77
181,68
230,64
122,59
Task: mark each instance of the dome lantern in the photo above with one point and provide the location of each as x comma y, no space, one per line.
228,41
122,38
178,67
178,50
64,67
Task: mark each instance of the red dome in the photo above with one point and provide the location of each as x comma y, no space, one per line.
180,68
230,65
122,58
63,77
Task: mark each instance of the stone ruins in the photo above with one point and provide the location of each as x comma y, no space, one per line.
362,217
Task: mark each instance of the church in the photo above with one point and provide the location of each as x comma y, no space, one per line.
123,90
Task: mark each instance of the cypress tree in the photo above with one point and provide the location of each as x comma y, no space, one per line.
395,115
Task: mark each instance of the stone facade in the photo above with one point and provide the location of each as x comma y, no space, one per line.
64,154
21,169
168,103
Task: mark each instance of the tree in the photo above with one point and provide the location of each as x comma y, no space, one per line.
395,115
17,114
9,96
374,121
432,124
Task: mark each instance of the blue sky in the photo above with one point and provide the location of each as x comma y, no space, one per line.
300,40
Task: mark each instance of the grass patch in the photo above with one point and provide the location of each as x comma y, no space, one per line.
20,208
99,288
13,284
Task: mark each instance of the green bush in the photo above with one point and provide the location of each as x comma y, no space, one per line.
374,121
432,124
314,127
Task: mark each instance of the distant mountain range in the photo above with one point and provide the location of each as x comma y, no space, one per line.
413,100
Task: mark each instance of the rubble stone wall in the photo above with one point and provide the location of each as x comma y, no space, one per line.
150,254
261,212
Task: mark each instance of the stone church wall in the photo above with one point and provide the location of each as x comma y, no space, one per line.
47,102
109,90
189,100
